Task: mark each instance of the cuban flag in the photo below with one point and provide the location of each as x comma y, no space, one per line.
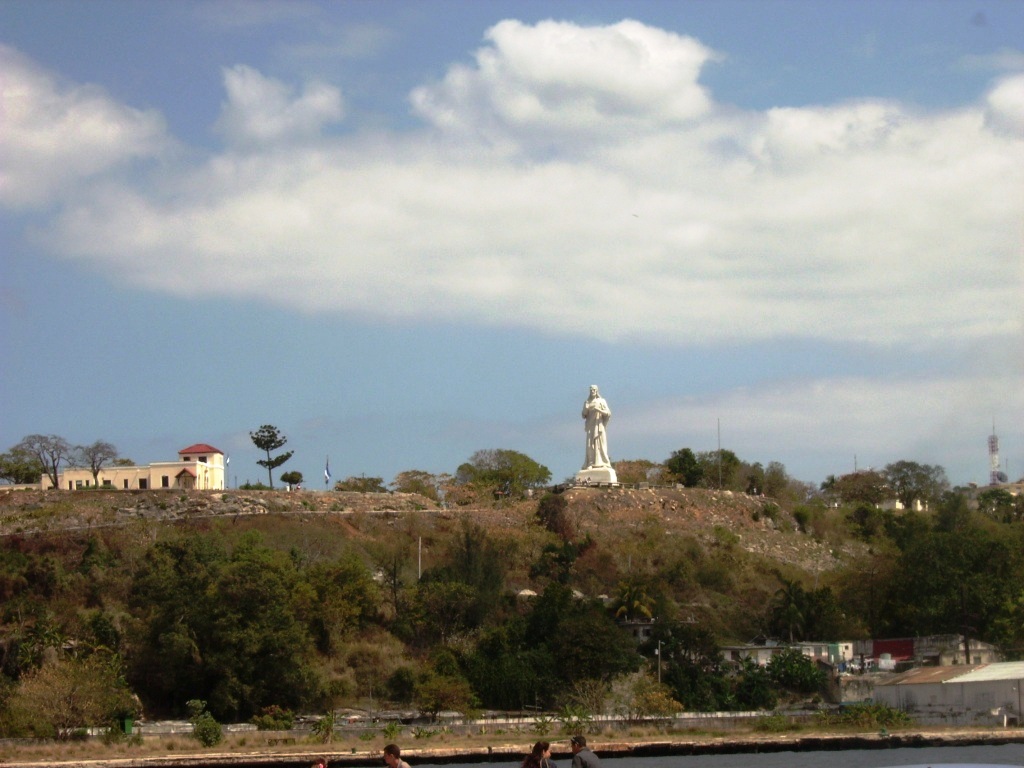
327,472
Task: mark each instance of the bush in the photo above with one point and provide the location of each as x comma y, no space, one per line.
205,728
866,716
274,718
793,671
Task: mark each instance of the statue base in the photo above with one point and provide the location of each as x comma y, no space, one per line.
596,476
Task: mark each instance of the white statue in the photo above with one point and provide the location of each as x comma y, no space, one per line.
595,418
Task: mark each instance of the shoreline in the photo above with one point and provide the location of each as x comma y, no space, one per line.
512,753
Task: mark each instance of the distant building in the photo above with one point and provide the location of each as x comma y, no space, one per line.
199,467
968,694
833,654
930,650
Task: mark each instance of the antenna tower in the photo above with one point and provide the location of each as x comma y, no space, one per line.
993,457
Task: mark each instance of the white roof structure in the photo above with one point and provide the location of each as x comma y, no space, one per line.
1003,670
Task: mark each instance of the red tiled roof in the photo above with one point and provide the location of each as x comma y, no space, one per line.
199,448
186,471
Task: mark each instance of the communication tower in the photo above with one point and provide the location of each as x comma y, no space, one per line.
995,477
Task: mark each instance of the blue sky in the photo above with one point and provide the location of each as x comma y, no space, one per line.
405,231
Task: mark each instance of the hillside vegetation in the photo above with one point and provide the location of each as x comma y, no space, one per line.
261,602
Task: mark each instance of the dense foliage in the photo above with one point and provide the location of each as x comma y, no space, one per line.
256,618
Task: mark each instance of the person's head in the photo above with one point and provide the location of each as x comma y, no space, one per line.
542,749
392,754
577,742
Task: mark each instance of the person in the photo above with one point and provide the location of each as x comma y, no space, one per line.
321,763
582,757
393,757
596,414
540,757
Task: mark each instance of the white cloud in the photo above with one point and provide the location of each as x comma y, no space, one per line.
579,181
567,82
261,110
1005,105
53,136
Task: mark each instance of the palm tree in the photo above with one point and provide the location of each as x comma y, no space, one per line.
789,608
633,602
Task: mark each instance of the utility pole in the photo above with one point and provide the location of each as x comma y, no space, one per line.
658,654
719,454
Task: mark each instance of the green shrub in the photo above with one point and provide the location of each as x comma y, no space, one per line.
866,716
774,723
205,728
274,718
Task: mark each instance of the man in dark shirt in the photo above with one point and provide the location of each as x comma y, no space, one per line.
582,757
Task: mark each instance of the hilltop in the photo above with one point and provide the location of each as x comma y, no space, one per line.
609,515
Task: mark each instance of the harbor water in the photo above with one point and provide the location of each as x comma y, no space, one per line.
1006,754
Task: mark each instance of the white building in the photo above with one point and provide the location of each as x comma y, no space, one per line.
199,467
979,694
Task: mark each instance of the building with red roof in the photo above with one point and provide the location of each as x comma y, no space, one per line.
199,467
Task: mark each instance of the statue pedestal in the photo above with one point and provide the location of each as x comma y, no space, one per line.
596,476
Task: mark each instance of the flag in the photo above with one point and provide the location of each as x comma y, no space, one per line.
327,472
227,461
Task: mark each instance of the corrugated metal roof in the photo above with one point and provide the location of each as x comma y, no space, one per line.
961,673
1003,670
925,675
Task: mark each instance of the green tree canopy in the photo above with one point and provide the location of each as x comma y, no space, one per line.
865,486
999,504
291,478
418,481
684,468
20,466
361,484
503,470
912,482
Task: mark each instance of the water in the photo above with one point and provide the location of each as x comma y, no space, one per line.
1006,754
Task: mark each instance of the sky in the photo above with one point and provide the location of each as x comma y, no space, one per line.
402,232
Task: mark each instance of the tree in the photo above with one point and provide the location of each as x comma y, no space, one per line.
361,484
95,456
867,486
787,609
912,482
683,466
50,451
292,478
417,481
776,480
269,438
632,601
694,670
719,468
67,694
20,467
444,693
793,671
553,514
630,471
1001,505
503,470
